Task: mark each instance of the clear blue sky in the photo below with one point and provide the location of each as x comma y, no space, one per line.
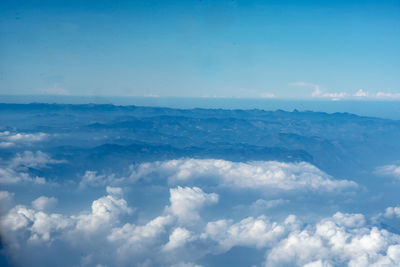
200,48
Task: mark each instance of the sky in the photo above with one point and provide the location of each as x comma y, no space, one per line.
235,49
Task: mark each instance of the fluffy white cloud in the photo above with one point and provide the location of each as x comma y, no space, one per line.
389,170
16,170
179,237
29,159
360,93
91,178
44,203
105,212
42,225
185,264
249,232
253,175
388,95
22,137
392,212
318,91
261,204
11,176
39,224
341,240
186,201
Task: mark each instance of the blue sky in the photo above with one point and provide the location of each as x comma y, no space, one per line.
282,49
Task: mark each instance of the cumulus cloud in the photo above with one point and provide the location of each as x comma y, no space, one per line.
17,169
39,224
361,93
252,175
29,159
44,203
22,137
186,201
318,92
5,200
388,95
392,212
389,170
249,232
46,227
92,179
343,239
179,237
55,90
105,212
261,204
267,95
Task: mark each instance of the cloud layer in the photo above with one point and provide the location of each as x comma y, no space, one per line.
251,175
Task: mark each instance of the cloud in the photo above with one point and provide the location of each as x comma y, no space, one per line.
6,199
179,237
55,90
105,236
6,144
186,201
249,232
392,212
186,264
92,179
389,170
8,139
44,203
360,93
105,212
39,224
257,175
262,204
343,239
317,92
387,95
11,176
17,169
267,95
26,137
37,160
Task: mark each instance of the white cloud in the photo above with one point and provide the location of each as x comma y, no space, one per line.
6,144
261,204
254,175
179,237
250,232
389,170
387,95
267,95
392,212
6,199
55,90
16,170
44,203
11,176
341,240
26,137
39,224
105,212
186,264
29,159
186,201
360,93
92,179
318,92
